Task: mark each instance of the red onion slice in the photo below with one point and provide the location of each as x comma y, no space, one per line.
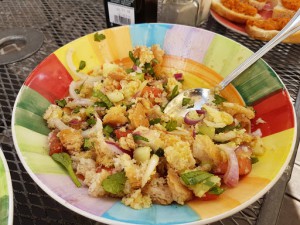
200,111
178,76
192,117
231,177
114,147
137,69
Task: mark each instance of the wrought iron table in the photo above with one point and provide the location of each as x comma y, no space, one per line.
62,21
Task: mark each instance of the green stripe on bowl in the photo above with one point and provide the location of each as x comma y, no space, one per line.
4,200
34,148
224,55
256,82
31,141
3,182
31,121
32,101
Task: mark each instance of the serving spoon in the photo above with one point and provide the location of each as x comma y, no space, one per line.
201,96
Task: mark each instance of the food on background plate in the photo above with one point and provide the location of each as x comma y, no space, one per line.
269,28
259,4
285,8
266,25
112,133
235,10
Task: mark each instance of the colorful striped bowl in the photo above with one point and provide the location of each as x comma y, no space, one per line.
207,58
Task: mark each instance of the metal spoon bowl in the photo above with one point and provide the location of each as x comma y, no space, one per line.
201,96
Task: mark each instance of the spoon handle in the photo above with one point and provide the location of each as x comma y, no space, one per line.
292,27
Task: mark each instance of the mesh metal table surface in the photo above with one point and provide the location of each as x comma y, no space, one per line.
62,21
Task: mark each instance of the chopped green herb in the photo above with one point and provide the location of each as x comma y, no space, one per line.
82,65
216,190
154,121
107,130
91,121
103,98
89,111
77,91
171,125
254,160
194,177
148,69
129,70
65,160
129,105
174,93
87,144
61,103
100,104
136,61
186,101
76,110
137,137
114,183
99,37
227,128
219,99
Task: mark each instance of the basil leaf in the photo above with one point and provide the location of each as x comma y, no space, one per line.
65,160
114,183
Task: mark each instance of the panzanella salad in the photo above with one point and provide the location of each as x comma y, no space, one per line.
112,135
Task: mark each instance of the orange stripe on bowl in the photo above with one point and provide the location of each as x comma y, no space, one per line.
208,209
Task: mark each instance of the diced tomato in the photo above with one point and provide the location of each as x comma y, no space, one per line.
156,92
55,145
120,133
209,197
244,160
243,155
80,176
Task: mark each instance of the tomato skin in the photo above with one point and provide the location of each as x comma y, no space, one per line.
120,133
244,161
55,145
80,176
209,197
156,92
